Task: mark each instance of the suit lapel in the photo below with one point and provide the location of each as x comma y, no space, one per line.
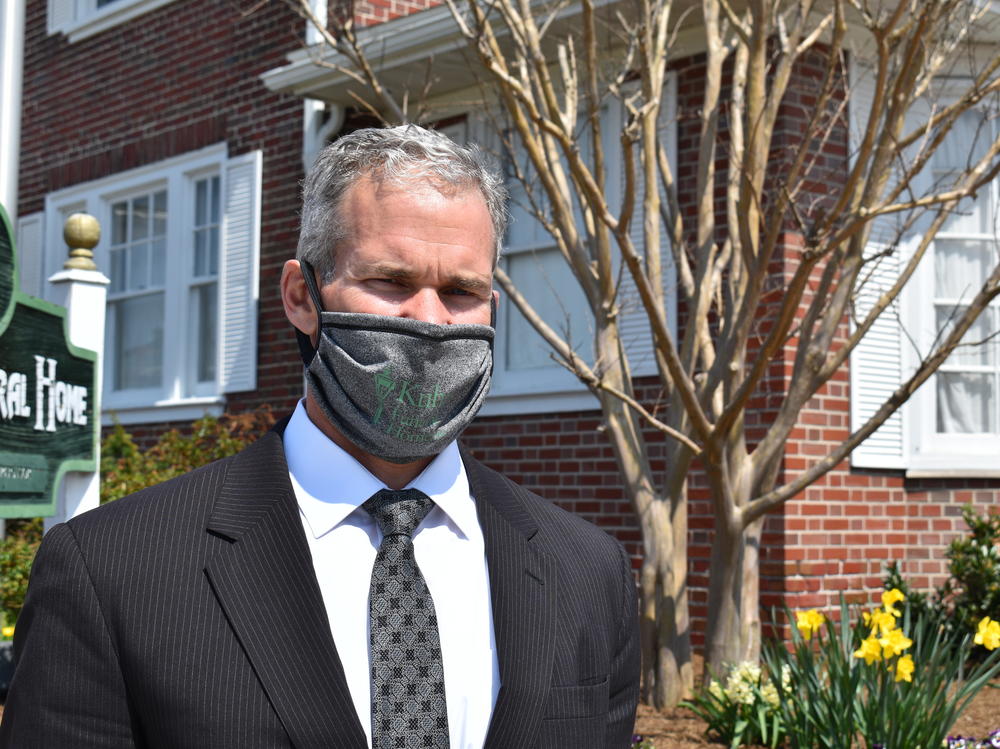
523,589
265,582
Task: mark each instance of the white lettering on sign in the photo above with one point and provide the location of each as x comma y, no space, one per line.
13,395
20,473
56,402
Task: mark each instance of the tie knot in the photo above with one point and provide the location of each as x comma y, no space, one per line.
398,512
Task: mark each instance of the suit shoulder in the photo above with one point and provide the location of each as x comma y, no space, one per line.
160,500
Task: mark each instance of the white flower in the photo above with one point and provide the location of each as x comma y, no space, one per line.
770,694
715,689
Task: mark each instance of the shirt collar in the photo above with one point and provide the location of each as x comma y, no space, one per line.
329,484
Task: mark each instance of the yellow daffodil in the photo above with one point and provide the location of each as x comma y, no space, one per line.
7,632
809,622
988,633
904,669
889,598
881,621
894,643
870,650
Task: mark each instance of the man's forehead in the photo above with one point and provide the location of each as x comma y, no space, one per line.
415,181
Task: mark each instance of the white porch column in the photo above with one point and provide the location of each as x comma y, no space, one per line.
82,290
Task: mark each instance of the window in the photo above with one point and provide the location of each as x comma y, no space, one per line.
526,378
180,242
956,416
79,19
951,426
138,255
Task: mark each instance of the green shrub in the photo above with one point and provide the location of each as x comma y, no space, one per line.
972,590
126,469
17,551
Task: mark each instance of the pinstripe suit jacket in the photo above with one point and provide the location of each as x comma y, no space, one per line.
189,615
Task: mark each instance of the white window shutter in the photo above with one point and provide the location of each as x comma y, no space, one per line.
876,364
60,16
876,368
30,252
239,274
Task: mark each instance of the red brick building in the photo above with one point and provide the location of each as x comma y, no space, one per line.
183,125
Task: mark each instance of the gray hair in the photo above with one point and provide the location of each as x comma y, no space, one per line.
390,155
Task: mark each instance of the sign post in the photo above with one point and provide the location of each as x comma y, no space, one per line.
50,384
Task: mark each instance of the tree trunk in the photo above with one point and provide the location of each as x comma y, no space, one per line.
733,633
668,674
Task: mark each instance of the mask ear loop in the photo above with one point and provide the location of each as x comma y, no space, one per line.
306,350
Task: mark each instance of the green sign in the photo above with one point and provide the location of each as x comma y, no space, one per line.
48,396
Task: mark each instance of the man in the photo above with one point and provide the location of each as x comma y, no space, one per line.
353,579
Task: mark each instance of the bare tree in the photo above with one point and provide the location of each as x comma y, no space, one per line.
552,66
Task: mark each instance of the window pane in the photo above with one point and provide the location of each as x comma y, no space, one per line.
117,270
960,267
213,251
215,213
119,223
975,353
206,237
138,266
158,275
139,342
964,145
965,403
160,213
140,217
200,203
200,252
544,278
971,216
205,301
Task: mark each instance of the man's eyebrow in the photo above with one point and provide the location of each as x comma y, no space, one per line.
466,281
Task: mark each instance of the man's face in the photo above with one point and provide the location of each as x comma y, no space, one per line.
411,251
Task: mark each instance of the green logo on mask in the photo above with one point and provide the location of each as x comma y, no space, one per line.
409,397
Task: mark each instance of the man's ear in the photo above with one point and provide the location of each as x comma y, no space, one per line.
295,297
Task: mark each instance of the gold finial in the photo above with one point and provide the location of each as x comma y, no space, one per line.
82,233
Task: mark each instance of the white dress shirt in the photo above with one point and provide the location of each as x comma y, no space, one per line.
330,487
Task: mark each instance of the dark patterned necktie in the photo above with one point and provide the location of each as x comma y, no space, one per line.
408,705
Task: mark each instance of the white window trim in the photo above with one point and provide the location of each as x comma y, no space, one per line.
80,19
96,197
189,410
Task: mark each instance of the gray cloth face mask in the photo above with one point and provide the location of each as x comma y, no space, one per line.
399,389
